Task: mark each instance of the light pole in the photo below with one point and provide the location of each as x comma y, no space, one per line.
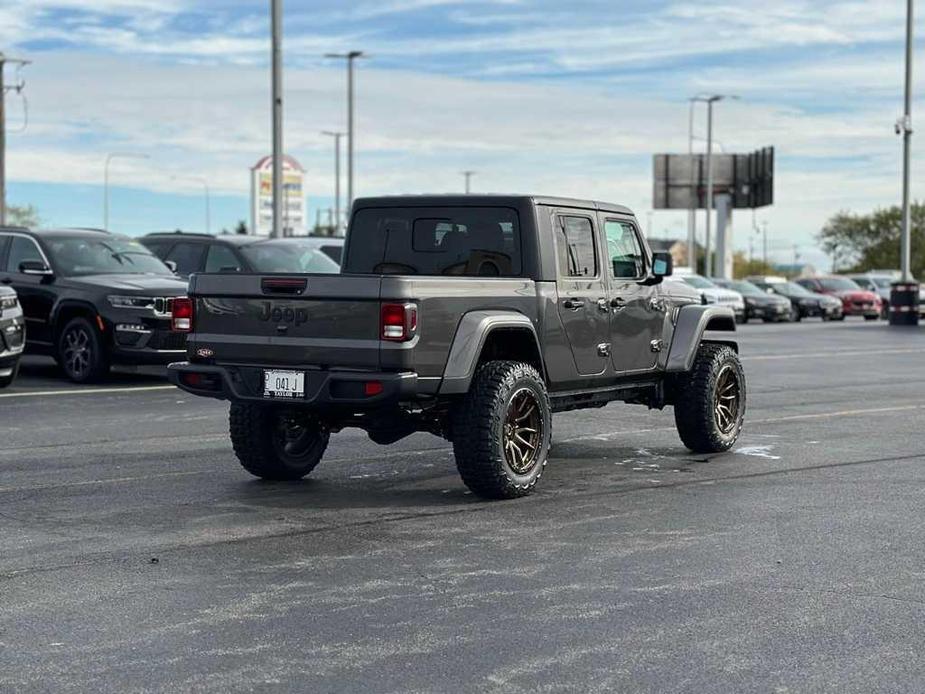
109,158
336,135
692,212
468,176
208,193
905,127
276,21
350,58
710,100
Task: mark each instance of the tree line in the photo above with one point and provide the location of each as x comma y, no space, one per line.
861,242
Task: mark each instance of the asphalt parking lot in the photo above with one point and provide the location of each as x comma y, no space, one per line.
135,555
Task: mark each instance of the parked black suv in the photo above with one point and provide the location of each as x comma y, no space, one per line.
91,299
190,253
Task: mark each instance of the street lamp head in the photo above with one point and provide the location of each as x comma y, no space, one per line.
352,55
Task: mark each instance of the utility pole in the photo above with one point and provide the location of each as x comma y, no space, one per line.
3,90
468,175
276,20
337,135
350,58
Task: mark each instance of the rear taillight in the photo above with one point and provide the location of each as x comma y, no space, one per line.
181,320
399,322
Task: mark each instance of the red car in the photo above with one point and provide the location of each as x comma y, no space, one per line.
855,301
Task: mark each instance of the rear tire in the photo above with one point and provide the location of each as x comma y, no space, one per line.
871,317
795,315
81,352
502,430
274,443
710,400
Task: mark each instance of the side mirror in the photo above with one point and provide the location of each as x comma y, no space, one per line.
662,264
35,267
171,265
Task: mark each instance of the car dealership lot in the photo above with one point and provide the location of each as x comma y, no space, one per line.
135,554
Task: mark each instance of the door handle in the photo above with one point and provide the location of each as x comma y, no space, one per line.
603,305
618,303
573,304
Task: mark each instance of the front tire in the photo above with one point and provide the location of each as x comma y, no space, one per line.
502,430
81,352
276,443
710,400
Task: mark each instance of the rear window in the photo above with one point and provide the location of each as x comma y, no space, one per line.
473,241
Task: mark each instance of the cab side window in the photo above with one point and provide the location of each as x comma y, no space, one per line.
221,259
624,250
575,247
21,250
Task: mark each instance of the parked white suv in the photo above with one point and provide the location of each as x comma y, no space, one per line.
712,294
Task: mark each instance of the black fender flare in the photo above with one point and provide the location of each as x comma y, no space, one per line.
471,335
65,304
689,328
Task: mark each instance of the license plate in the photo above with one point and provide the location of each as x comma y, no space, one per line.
283,384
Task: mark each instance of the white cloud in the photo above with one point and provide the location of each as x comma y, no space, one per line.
199,102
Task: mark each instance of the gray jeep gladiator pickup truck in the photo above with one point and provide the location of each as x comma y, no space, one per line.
474,318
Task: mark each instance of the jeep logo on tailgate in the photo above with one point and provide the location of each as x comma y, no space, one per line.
277,314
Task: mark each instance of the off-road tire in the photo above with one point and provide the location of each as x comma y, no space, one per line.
255,439
479,422
7,381
93,365
695,400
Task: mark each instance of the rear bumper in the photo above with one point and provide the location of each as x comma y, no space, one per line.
322,388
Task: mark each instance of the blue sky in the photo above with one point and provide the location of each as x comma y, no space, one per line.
535,95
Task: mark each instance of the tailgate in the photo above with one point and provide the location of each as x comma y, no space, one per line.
299,320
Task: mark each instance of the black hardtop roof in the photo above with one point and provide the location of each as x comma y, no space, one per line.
237,239
470,200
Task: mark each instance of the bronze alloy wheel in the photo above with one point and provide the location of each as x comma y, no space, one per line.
523,431
728,400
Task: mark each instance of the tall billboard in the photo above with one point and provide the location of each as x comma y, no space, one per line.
294,206
681,180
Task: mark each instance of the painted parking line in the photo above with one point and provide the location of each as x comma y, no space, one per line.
817,355
85,391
